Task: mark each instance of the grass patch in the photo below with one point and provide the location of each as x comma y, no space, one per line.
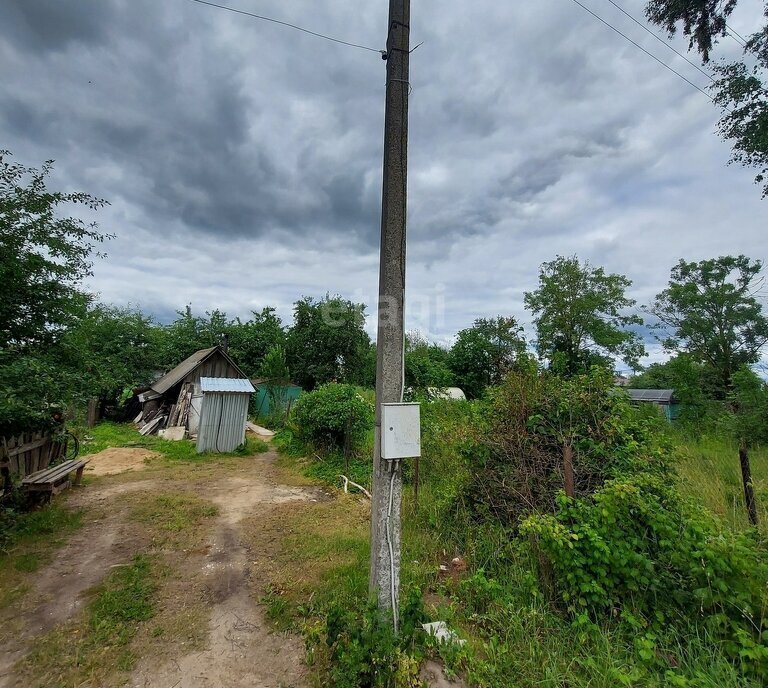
313,553
97,646
107,434
710,472
30,540
173,518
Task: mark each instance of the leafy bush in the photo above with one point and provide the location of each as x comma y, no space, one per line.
533,416
636,547
325,417
365,652
449,432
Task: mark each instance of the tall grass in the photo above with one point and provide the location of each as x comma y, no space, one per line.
710,473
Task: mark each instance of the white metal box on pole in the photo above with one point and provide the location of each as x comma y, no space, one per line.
400,431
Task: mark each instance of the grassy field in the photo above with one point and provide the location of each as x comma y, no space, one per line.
710,472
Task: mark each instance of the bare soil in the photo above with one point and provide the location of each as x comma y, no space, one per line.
240,649
118,460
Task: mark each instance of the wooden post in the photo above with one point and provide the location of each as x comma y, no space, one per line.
570,489
749,492
93,412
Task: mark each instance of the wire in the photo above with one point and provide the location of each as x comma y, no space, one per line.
640,47
392,588
736,36
289,25
661,40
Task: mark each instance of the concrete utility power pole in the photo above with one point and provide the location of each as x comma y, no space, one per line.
390,339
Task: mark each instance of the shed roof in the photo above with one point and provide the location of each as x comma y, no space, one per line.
226,384
177,374
660,396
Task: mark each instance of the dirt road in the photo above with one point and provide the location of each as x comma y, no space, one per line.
219,575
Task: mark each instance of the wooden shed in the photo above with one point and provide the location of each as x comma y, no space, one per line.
177,394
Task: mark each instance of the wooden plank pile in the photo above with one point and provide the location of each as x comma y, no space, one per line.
156,420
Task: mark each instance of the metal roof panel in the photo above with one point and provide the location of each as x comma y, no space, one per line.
226,384
657,395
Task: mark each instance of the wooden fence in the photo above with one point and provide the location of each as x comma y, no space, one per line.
28,453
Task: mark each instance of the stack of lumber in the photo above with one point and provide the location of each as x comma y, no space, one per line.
177,415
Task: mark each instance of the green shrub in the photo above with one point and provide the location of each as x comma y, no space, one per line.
325,417
638,549
532,416
365,652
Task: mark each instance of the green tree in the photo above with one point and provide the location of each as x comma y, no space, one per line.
327,341
274,369
190,333
485,352
252,339
710,311
741,87
579,316
44,256
426,365
111,349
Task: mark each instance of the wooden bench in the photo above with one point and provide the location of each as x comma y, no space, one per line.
54,480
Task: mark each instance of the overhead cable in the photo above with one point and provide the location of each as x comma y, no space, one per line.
288,24
640,47
661,40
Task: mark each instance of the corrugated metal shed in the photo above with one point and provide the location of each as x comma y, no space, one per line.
657,396
226,384
223,414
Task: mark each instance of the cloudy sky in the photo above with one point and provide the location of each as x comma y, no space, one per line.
242,160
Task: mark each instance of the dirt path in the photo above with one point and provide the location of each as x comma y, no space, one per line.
58,588
241,649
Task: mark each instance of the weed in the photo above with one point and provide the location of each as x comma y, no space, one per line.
173,518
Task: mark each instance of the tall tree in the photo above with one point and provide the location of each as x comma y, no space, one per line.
483,353
190,333
327,341
426,365
710,310
250,340
741,87
44,256
579,316
111,349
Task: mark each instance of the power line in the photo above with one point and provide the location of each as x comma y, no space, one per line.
661,40
736,36
640,47
289,25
